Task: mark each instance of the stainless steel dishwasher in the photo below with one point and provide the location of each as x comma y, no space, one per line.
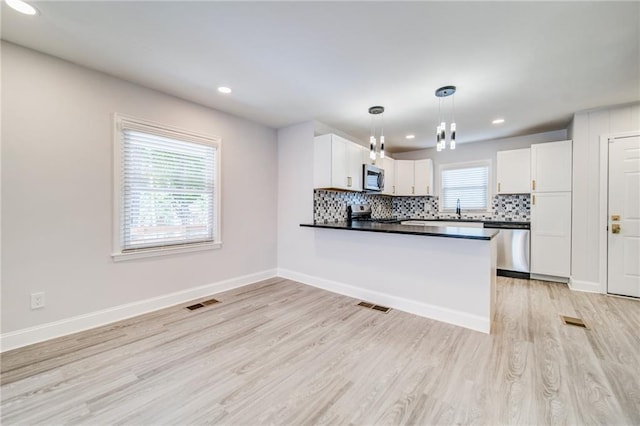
513,248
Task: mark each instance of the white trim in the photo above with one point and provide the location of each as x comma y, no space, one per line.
604,204
585,286
552,278
463,165
437,313
121,121
39,333
161,251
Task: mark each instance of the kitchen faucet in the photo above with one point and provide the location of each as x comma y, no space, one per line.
458,211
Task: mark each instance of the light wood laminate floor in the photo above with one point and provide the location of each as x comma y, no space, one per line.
280,352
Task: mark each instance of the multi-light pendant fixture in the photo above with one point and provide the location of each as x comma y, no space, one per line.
441,130
374,150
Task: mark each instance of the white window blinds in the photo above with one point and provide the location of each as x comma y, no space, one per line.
469,184
168,191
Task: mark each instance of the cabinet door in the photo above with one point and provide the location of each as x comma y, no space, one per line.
551,167
551,233
339,163
389,166
404,177
513,171
423,177
356,158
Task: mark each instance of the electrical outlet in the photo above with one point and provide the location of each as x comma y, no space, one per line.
37,300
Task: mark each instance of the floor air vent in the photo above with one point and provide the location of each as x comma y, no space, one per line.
577,322
202,304
375,307
196,306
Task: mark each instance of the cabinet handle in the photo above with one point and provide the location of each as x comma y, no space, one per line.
498,186
533,184
427,189
394,189
349,181
413,189
533,200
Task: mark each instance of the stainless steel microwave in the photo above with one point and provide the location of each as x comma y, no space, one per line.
372,178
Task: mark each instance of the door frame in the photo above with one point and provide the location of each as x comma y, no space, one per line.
604,204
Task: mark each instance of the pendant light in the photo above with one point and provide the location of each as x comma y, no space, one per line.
374,151
441,129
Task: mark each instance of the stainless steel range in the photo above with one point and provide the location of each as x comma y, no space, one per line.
363,212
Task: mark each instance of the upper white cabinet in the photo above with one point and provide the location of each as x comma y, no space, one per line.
414,177
514,171
404,177
423,177
389,166
338,163
551,167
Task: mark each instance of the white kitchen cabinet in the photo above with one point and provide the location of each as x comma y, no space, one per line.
389,167
513,171
404,177
551,233
551,167
414,177
423,177
338,163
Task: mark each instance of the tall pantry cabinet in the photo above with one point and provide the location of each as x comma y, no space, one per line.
551,172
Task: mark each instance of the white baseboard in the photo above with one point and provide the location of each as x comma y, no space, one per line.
586,286
450,316
27,336
552,278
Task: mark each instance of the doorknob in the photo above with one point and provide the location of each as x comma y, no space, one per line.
615,228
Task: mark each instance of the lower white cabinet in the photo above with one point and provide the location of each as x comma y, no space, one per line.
551,234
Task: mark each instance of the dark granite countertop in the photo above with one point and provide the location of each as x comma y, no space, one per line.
396,228
506,224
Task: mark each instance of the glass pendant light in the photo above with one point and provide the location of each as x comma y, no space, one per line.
373,150
441,130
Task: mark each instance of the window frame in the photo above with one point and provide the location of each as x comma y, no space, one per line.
488,163
121,122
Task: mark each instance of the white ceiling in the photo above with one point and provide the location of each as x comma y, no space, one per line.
534,64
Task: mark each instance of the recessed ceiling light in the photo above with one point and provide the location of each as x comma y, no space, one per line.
223,89
21,7
498,121
410,136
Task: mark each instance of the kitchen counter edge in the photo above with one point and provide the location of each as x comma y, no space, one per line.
396,228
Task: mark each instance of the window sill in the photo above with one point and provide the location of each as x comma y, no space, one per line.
163,251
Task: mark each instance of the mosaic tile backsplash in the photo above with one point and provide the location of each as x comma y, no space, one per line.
331,206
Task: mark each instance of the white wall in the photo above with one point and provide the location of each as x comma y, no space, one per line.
585,130
295,195
57,190
486,150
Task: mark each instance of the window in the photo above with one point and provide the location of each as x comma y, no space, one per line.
166,190
468,182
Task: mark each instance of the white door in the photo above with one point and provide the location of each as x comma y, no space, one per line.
624,217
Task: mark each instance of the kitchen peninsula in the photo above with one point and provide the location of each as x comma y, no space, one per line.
444,273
